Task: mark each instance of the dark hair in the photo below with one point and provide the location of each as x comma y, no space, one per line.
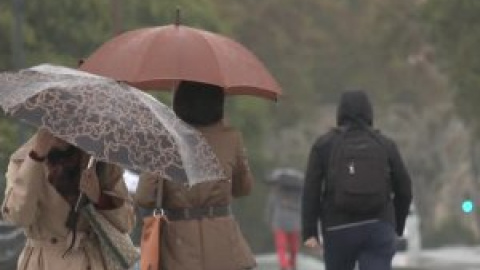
199,104
65,171
72,161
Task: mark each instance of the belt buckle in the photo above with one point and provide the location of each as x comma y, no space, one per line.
210,212
158,211
186,213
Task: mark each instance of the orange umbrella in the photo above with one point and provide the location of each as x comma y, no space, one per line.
160,57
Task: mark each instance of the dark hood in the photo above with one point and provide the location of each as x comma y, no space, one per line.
354,107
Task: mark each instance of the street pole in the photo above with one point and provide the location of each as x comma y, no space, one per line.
475,171
18,51
117,18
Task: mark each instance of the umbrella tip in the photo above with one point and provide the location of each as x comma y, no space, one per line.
177,16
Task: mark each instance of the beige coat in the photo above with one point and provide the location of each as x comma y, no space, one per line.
209,243
32,203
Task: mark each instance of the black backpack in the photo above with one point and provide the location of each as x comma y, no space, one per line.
358,178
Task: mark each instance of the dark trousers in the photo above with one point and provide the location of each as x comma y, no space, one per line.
372,245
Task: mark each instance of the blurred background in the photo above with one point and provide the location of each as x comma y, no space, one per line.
418,60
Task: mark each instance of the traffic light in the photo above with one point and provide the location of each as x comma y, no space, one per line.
468,206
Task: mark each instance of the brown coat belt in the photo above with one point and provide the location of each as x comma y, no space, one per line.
198,212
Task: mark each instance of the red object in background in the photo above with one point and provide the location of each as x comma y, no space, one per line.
287,246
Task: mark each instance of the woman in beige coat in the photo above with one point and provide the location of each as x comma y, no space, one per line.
202,233
44,180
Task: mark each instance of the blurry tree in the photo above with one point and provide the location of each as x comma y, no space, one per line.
202,14
6,24
62,32
8,139
454,31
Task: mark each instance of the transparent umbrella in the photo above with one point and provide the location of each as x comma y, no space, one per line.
111,121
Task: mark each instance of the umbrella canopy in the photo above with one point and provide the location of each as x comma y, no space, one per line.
288,177
160,57
111,121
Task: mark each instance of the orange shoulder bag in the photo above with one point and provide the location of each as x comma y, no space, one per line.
153,236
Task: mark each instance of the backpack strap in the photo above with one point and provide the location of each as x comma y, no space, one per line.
340,133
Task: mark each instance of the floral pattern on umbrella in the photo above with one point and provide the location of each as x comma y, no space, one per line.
110,120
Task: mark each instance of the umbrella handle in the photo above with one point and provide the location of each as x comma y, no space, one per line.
91,162
77,205
81,198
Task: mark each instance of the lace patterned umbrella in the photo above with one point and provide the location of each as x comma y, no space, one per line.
287,177
110,120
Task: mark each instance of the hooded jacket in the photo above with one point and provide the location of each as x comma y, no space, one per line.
354,112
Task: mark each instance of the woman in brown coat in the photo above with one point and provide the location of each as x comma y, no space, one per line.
44,180
202,233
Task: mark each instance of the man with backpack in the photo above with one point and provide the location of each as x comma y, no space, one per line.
357,186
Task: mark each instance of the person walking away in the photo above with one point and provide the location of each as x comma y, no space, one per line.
358,188
45,177
202,233
283,214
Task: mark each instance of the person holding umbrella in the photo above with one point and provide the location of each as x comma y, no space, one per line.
202,233
45,178
113,123
282,213
202,67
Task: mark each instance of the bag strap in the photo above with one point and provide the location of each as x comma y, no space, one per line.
340,133
164,227
158,195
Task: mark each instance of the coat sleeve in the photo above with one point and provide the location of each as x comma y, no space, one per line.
312,191
147,190
25,178
123,217
242,179
402,188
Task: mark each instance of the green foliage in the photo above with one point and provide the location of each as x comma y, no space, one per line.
6,24
201,13
8,142
62,32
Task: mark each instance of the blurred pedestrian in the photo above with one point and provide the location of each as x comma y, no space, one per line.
358,188
202,233
283,214
45,177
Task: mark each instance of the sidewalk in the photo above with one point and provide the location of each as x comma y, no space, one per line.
269,262
467,257
11,243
